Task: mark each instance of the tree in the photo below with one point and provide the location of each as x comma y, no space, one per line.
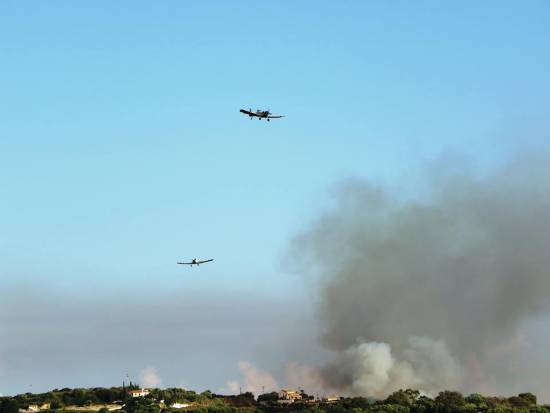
476,398
539,409
9,406
403,397
471,408
306,396
359,402
268,397
495,402
523,400
499,409
142,405
449,402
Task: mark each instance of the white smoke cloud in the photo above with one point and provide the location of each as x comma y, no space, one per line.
371,368
254,380
374,370
231,387
149,377
433,365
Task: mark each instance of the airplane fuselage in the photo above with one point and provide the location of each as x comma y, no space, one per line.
260,114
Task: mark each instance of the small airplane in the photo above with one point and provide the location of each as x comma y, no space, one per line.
194,261
260,114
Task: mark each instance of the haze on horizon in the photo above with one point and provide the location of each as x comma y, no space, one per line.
397,213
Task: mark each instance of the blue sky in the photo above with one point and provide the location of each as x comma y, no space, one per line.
122,149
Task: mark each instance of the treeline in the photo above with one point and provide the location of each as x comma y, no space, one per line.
59,399
411,401
160,400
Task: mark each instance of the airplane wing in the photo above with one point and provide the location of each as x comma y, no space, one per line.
275,116
186,263
203,261
247,112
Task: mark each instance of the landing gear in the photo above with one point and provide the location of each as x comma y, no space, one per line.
268,119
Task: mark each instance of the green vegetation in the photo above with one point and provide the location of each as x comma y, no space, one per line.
101,400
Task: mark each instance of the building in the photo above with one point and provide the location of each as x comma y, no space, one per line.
289,396
139,393
33,408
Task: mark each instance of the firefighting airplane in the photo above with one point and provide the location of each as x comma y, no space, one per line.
196,262
261,114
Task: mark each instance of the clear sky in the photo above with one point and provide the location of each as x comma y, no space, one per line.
122,149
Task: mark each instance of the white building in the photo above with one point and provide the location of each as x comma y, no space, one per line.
139,393
289,396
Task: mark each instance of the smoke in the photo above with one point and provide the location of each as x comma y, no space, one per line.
197,340
370,368
299,376
149,377
254,379
431,292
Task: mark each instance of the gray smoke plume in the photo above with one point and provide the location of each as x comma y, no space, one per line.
370,368
432,292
